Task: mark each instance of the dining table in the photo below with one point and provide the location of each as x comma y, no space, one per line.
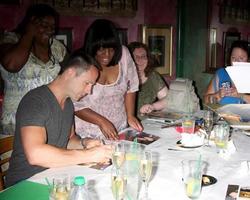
166,180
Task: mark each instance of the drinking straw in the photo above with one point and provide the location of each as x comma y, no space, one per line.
47,181
198,168
135,145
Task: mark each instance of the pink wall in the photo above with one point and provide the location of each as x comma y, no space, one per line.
149,12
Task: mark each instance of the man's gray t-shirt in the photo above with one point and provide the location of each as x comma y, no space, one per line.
39,107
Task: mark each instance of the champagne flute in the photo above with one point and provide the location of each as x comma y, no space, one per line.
118,155
118,183
145,170
208,124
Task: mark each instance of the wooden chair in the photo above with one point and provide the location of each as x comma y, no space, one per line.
6,145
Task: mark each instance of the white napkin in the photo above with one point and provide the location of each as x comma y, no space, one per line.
245,167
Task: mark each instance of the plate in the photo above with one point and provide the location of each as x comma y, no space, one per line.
184,146
241,126
208,180
247,133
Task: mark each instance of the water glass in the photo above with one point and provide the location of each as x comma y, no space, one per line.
192,171
60,188
188,125
221,135
131,165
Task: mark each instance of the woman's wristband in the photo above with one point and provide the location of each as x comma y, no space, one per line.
82,141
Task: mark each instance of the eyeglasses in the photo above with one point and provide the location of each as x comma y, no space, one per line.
47,26
105,50
142,57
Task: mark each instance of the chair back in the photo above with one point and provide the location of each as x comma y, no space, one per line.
6,146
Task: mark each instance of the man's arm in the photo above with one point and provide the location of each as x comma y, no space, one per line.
75,142
41,154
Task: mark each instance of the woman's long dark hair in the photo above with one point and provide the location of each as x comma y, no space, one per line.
102,33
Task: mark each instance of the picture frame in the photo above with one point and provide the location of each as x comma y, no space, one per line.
228,39
122,33
159,39
212,51
248,37
64,35
10,2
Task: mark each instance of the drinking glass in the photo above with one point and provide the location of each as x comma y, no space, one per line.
118,154
188,124
60,188
145,170
208,123
221,134
118,183
192,171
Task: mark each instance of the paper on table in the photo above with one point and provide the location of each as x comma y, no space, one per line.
239,73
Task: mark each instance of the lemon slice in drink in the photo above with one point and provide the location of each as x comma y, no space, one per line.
191,186
131,156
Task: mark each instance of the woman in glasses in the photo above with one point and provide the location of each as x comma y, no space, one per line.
153,90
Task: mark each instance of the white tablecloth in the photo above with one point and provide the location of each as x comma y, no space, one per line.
166,182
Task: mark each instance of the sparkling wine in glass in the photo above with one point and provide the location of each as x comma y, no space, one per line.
208,123
118,155
118,184
145,170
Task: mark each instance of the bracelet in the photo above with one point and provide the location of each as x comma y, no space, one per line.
83,143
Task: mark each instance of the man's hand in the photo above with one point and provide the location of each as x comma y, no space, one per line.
100,154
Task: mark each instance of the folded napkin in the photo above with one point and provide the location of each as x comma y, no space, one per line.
192,139
245,167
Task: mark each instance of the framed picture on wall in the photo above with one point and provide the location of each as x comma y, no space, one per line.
159,39
10,2
228,39
122,33
65,36
212,51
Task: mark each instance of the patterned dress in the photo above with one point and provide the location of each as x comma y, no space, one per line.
33,74
108,100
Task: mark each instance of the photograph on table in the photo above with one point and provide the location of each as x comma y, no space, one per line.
159,39
232,192
140,137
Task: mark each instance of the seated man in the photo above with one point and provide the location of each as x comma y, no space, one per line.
45,124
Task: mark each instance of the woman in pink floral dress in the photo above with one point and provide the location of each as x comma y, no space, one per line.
111,106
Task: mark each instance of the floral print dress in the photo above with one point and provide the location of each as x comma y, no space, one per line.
33,74
109,100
